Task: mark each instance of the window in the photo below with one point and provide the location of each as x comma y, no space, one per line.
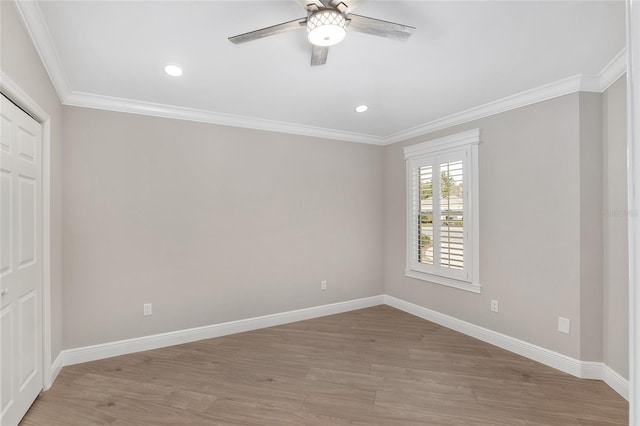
442,206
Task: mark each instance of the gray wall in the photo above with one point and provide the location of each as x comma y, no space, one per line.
591,243
616,256
210,224
546,249
530,226
21,63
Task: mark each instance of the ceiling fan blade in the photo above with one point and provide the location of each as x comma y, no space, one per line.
319,55
352,4
269,31
380,28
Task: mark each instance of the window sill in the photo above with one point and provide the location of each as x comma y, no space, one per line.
449,282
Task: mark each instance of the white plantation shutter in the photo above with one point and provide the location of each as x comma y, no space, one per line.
451,215
425,215
442,222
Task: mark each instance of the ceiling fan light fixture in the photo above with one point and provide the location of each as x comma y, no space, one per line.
326,28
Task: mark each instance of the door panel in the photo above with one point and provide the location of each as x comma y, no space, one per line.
20,268
5,129
7,366
6,229
27,142
28,344
27,217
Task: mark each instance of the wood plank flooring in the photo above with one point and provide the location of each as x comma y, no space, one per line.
376,366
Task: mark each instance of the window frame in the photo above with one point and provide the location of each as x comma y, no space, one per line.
460,146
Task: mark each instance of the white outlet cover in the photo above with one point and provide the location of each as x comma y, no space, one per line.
564,325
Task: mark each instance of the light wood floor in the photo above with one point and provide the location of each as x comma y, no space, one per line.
372,366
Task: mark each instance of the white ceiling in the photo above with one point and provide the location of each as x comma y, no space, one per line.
462,55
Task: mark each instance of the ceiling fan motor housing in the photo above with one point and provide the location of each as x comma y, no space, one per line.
326,27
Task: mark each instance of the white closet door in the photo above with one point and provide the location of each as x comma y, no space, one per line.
20,262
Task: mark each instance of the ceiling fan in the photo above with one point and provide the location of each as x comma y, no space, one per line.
326,23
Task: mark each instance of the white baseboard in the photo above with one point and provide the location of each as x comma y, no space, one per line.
122,347
615,381
581,369
590,370
56,366
529,350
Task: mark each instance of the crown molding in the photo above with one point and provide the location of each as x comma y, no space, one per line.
615,69
528,97
88,100
578,83
39,32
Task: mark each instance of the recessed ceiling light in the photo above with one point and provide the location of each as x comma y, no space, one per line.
173,70
362,108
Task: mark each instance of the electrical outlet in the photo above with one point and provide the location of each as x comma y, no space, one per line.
323,285
147,309
494,305
564,325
